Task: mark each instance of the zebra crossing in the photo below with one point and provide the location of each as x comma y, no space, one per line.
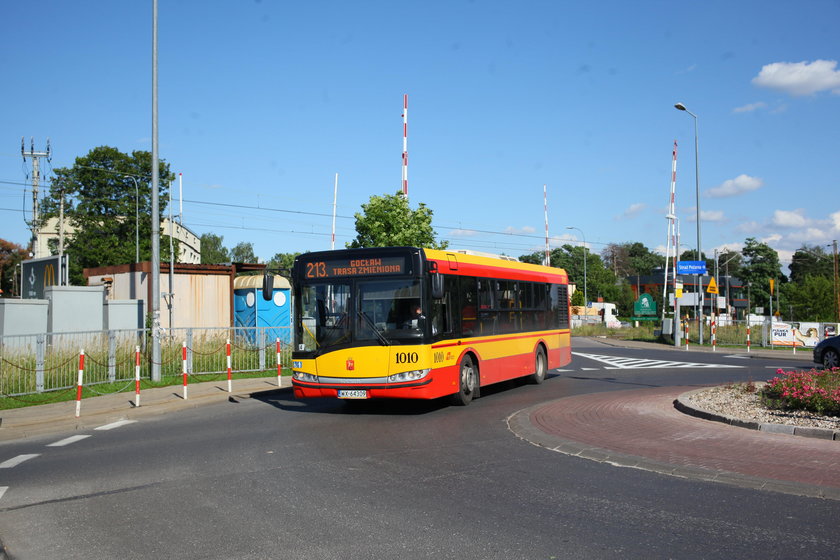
617,362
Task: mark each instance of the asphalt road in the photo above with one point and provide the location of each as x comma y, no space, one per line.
271,477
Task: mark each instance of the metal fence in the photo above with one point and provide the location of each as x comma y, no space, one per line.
50,362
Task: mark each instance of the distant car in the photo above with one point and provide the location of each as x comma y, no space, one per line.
827,352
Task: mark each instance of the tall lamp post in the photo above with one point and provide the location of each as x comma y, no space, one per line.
585,297
682,107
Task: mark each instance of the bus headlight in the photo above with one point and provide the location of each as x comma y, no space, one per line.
413,375
307,377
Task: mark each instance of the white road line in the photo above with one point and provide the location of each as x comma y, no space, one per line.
117,424
15,461
618,362
68,441
3,491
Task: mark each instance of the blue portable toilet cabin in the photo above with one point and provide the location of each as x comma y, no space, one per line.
250,309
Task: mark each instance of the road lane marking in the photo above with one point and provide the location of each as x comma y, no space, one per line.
617,362
3,491
117,424
15,461
68,441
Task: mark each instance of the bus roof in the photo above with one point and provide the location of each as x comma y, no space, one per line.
455,262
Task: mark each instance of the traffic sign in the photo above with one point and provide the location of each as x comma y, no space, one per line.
691,267
713,287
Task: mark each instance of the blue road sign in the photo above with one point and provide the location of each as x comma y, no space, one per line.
691,267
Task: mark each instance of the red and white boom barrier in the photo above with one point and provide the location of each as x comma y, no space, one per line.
80,381
137,376
279,367
184,366
227,351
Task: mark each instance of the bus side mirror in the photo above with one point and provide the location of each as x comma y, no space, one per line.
437,285
268,287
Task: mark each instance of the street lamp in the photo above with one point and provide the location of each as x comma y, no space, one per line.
585,298
136,219
682,107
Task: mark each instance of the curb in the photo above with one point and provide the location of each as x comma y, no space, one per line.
681,404
28,427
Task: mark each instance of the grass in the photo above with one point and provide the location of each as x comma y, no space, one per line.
644,332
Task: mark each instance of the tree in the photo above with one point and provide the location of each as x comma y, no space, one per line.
243,253
631,259
11,254
213,250
810,299
388,221
100,194
811,261
283,261
761,263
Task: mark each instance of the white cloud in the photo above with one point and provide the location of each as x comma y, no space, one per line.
632,210
789,218
527,230
462,233
771,238
711,215
733,187
815,234
800,78
835,219
750,107
749,227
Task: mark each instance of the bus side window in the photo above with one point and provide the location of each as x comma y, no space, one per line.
469,310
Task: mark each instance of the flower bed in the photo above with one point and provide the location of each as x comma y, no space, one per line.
815,391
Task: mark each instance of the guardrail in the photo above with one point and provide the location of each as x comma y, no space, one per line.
45,363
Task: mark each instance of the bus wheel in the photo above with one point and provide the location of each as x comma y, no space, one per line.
467,382
540,367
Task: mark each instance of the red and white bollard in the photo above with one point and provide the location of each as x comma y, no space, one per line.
279,368
137,376
227,351
686,335
714,336
184,366
748,337
79,383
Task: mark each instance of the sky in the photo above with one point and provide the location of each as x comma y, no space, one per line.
262,103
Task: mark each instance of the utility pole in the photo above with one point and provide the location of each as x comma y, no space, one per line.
36,179
836,287
155,283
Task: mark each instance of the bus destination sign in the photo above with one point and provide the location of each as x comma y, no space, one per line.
355,267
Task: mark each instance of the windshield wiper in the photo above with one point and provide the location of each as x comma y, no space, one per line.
379,334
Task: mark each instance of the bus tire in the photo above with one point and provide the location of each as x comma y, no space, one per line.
467,382
540,367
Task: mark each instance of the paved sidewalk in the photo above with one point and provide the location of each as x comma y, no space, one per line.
643,429
95,411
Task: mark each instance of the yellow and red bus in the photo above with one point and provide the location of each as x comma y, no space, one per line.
405,322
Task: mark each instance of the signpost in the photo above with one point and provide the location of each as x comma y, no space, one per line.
37,274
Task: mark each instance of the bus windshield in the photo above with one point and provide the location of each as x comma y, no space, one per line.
341,313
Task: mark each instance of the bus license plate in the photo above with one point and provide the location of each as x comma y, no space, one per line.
352,394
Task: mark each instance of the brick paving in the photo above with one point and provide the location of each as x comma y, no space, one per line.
641,428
